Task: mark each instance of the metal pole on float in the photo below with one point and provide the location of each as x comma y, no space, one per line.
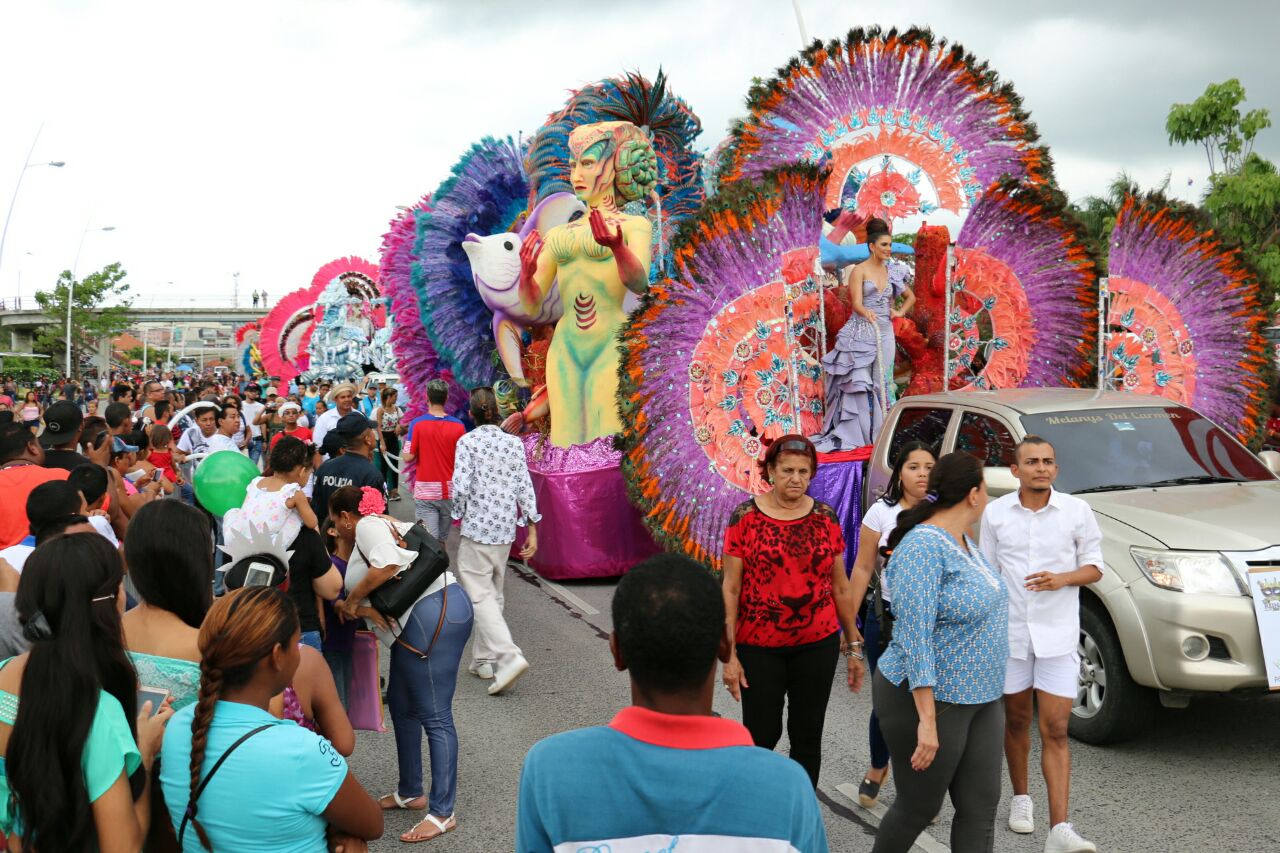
1104,308
804,32
946,319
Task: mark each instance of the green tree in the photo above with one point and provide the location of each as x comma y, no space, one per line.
91,319
1214,121
154,355
1243,199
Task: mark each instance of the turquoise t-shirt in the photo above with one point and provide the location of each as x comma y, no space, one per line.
268,796
109,749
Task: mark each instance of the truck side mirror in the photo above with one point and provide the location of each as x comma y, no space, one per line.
1272,460
999,480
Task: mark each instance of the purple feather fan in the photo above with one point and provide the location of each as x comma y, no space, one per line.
729,251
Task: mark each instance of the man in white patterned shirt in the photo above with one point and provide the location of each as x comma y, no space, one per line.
490,482
1047,545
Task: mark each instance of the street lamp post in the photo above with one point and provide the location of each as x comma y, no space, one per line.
26,164
71,287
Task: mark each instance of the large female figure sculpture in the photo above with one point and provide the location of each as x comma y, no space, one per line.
595,260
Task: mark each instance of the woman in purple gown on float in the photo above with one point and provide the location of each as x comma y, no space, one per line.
859,368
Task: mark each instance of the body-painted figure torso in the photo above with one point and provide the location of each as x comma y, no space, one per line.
596,259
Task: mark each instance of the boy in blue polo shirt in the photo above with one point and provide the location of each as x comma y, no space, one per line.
666,774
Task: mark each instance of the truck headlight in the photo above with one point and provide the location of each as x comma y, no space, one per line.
1188,571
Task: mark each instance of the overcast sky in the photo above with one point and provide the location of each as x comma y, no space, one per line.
267,137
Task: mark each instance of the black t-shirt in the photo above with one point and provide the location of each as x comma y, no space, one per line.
346,470
309,561
65,459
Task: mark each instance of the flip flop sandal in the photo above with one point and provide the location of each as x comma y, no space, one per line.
449,824
402,803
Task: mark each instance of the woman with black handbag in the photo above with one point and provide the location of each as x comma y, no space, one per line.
426,621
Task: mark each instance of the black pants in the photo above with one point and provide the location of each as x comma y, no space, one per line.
801,677
391,441
967,765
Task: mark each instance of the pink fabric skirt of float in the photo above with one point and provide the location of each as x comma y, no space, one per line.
589,529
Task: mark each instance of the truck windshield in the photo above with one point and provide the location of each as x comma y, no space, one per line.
1108,449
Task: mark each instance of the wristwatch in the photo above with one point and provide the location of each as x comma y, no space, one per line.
852,649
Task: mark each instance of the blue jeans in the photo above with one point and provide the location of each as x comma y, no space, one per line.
420,696
342,665
871,647
312,639
255,449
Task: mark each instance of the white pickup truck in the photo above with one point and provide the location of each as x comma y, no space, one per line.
1185,510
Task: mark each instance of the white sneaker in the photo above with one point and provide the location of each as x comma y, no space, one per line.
1022,814
508,674
482,669
1063,839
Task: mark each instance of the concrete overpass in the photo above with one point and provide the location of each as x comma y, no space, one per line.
175,324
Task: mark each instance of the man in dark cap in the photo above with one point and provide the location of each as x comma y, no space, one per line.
353,468
61,436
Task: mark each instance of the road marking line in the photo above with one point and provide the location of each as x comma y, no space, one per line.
557,589
925,842
570,597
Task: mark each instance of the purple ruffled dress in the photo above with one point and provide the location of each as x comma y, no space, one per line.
858,372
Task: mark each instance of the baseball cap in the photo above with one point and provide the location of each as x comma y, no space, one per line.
61,420
271,391
352,424
119,445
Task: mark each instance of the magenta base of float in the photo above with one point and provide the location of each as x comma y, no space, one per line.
589,529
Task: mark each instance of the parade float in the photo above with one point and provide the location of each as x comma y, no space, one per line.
648,341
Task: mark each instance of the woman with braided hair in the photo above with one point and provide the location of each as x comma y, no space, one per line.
289,788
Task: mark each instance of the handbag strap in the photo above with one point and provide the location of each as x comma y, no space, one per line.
395,533
200,790
444,608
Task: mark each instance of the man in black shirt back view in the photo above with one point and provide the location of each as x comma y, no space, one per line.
61,436
353,468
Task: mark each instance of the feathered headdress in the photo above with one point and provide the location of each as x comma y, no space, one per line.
890,114
706,376
671,125
248,354
417,359
1185,321
485,195
286,333
1025,295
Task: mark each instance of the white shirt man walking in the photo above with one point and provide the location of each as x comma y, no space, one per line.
1047,545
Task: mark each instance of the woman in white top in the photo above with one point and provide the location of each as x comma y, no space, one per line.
908,485
426,649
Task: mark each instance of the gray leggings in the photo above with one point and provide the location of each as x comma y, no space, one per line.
968,765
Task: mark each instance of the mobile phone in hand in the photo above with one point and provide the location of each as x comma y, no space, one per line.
154,695
156,475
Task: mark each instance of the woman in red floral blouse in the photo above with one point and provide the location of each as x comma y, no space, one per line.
786,598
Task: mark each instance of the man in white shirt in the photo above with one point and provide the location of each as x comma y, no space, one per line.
342,402
195,440
250,409
1047,545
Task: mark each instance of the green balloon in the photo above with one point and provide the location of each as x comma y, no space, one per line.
222,480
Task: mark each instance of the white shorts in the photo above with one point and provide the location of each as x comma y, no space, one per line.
1057,676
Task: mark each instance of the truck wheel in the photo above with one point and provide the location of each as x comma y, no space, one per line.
1109,706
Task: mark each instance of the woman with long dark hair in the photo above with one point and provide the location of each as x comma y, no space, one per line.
786,598
426,651
174,583
237,778
76,770
859,368
908,485
939,685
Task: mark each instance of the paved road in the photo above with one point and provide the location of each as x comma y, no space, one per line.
1202,779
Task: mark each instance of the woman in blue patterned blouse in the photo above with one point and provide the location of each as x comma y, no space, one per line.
938,686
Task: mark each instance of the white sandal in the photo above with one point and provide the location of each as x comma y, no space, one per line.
402,803
449,824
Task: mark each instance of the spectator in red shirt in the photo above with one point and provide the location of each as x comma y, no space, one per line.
21,458
786,596
433,440
289,413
